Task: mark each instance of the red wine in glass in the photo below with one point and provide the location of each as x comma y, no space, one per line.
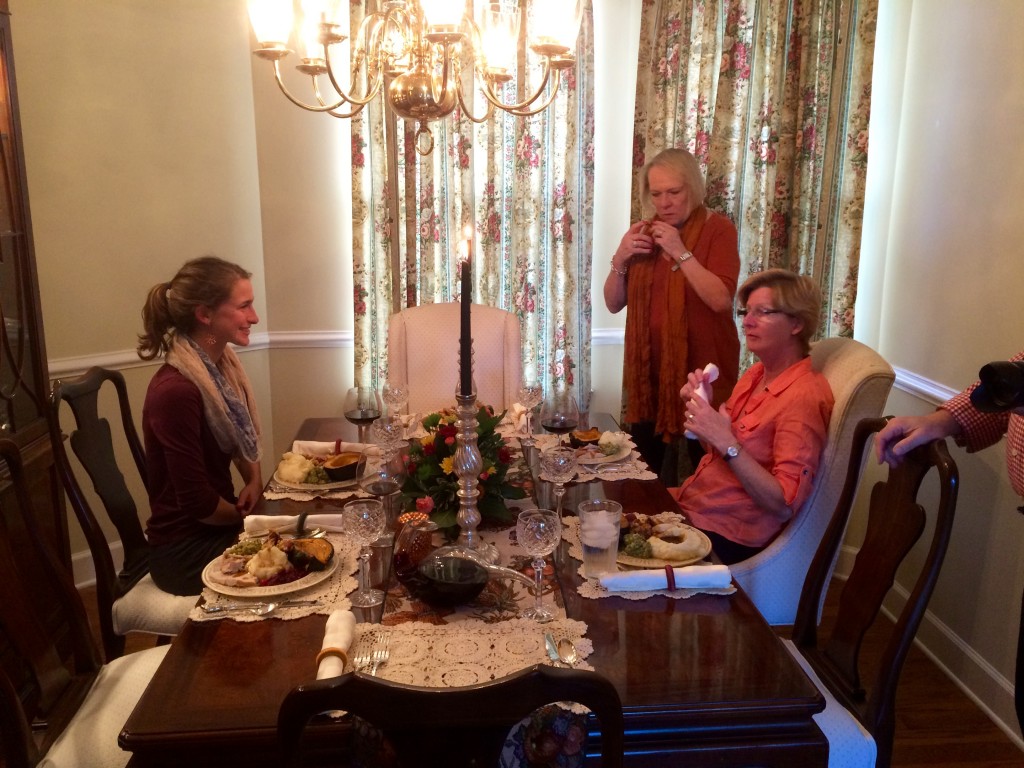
560,425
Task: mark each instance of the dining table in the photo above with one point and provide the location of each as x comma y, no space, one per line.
704,681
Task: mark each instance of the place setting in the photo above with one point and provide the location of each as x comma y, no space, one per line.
282,566
637,556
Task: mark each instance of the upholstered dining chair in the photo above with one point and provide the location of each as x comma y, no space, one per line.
860,380
60,706
859,715
453,727
423,349
128,600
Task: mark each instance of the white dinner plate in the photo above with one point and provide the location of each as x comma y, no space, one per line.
619,455
315,486
309,580
653,562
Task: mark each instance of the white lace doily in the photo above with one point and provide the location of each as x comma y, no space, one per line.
591,588
468,652
631,468
330,594
275,492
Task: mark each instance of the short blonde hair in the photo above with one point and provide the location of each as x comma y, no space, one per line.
681,163
796,295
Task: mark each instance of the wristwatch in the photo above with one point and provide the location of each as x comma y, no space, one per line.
731,452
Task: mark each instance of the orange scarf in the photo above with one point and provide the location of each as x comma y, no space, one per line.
664,407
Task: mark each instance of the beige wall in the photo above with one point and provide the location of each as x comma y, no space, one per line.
152,136
943,285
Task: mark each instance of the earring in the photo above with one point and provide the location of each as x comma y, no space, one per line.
210,340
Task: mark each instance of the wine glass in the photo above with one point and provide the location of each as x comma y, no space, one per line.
364,521
529,396
382,472
362,407
560,415
538,532
396,395
387,433
559,464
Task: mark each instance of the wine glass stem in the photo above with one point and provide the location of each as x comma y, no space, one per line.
364,567
538,578
364,431
559,493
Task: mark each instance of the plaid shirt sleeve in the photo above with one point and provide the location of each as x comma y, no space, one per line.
980,430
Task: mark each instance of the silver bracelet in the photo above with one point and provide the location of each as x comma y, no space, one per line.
617,271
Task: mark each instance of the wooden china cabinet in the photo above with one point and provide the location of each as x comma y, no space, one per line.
24,381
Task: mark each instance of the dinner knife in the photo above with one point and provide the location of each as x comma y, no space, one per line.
223,607
552,648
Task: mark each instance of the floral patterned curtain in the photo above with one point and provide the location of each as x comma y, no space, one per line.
525,185
773,98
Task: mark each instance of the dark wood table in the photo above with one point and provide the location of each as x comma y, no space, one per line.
703,681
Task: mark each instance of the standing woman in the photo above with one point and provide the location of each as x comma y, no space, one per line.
677,273
198,418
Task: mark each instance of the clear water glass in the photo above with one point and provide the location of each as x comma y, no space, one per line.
529,396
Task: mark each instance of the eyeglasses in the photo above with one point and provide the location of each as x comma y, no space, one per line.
760,312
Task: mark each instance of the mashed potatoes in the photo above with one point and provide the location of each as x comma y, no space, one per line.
267,563
293,468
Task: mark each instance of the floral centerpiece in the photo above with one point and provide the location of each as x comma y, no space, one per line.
433,481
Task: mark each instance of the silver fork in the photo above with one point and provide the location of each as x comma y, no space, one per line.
381,651
364,657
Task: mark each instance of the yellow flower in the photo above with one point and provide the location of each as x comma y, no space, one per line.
447,465
427,439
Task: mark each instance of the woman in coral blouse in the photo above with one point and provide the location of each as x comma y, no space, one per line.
677,273
765,443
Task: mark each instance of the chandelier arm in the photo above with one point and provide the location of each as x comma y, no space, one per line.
368,33
523,107
469,115
308,107
355,111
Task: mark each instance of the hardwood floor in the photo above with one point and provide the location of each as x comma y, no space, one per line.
937,725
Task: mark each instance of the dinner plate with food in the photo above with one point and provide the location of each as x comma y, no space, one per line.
303,472
654,541
269,566
593,447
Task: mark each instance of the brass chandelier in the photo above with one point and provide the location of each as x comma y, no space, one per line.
420,55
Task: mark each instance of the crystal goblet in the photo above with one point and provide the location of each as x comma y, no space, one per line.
538,531
559,464
529,395
364,521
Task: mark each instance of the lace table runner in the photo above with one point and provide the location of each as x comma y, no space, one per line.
466,653
591,588
330,594
630,468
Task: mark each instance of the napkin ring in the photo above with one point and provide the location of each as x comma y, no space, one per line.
670,577
332,651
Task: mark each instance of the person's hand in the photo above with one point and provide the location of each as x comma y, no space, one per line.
667,237
904,433
633,242
248,497
692,385
710,426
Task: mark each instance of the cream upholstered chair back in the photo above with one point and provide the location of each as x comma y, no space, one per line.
860,379
423,349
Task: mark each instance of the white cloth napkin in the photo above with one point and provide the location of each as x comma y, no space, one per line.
316,448
517,415
341,628
687,577
280,523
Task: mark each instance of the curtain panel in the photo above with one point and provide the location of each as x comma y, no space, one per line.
773,98
525,188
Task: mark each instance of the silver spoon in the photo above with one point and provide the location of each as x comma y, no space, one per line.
257,609
567,652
